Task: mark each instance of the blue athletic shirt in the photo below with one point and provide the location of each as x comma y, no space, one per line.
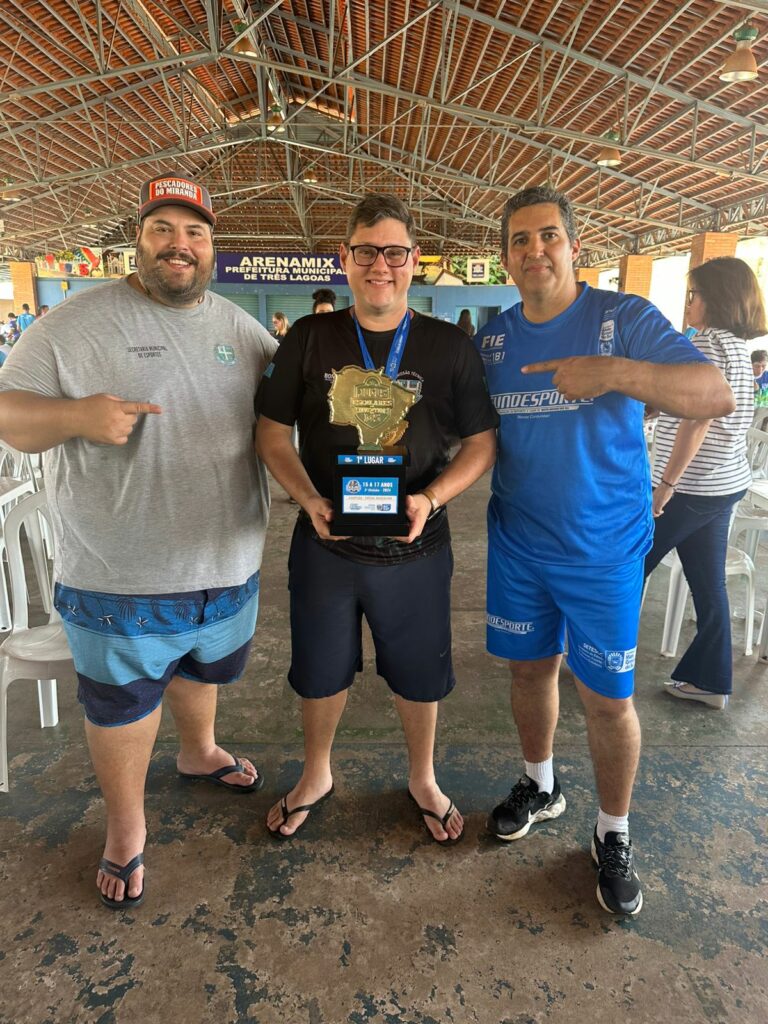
571,485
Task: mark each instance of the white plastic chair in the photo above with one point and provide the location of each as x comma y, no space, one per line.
17,478
16,465
762,650
737,563
751,519
29,652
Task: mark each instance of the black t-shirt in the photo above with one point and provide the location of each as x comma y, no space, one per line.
440,364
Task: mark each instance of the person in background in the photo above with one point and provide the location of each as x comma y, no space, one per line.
759,360
324,300
569,369
465,323
11,329
25,318
280,325
43,311
701,471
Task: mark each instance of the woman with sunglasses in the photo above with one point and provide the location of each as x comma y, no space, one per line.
701,471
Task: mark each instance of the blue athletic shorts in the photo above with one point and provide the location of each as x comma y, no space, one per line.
530,605
407,606
128,647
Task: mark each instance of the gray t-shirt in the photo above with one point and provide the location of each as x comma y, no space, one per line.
184,504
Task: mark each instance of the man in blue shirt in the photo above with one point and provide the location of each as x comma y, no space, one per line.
10,329
25,318
569,370
759,360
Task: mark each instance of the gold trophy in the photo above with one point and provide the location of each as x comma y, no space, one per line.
372,403
369,481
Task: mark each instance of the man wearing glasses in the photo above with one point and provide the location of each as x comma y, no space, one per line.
401,585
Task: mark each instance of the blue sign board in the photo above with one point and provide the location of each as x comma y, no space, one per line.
369,460
278,268
375,495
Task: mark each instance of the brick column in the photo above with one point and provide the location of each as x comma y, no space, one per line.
710,244
635,275
589,274
24,281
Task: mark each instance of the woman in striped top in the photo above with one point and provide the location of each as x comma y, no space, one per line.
701,471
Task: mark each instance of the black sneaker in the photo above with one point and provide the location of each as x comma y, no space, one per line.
524,806
618,887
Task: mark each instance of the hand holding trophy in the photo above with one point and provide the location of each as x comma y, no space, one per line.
369,480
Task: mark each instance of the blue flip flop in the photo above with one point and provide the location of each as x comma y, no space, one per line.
123,873
217,778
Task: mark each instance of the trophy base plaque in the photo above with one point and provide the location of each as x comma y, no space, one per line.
369,493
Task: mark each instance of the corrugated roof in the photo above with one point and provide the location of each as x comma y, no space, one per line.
453,105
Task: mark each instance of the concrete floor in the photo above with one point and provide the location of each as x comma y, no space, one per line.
363,919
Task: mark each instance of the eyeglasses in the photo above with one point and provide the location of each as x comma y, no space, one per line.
690,293
394,255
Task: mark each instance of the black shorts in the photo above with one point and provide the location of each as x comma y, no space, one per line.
407,606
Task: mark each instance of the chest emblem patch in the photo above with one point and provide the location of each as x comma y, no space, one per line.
224,354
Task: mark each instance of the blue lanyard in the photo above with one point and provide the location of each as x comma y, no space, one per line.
395,352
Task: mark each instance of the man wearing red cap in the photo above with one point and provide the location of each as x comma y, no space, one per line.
158,502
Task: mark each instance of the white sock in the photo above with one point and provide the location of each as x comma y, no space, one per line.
542,773
610,823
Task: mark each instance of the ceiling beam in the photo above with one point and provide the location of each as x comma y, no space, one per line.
620,73
482,119
187,60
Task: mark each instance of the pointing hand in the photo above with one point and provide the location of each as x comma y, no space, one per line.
578,377
107,419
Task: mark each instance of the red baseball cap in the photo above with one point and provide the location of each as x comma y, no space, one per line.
175,190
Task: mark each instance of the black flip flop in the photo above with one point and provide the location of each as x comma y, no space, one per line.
217,779
277,834
123,873
425,812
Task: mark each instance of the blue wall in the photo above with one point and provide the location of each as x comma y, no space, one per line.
446,300
49,291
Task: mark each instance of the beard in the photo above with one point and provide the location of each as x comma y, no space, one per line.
157,279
